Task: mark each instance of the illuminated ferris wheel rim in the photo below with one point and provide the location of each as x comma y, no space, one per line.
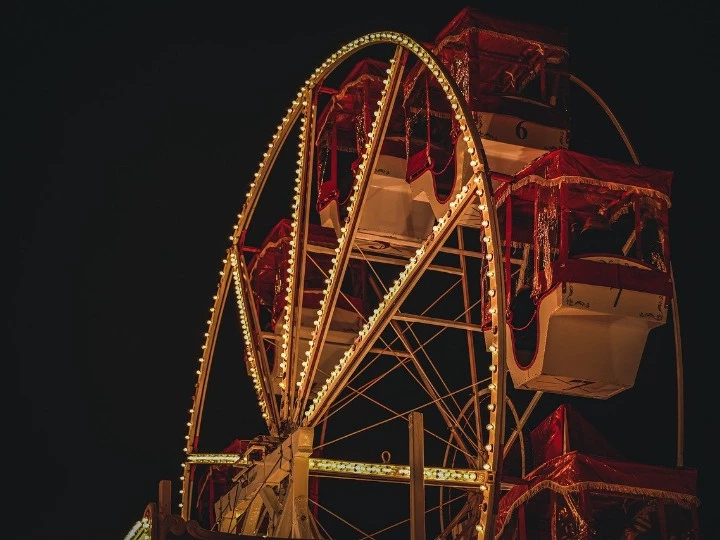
477,189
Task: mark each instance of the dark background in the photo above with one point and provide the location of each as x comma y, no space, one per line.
132,130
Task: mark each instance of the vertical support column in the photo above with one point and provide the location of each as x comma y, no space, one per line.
164,511
302,446
417,476
296,520
164,498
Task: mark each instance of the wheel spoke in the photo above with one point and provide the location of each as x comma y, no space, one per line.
255,351
347,235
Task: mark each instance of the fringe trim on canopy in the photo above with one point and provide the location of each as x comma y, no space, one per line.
456,39
686,501
550,182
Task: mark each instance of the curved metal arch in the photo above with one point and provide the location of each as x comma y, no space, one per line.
676,316
518,424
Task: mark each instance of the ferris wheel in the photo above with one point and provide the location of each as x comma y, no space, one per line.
368,289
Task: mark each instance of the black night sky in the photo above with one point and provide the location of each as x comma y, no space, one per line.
132,130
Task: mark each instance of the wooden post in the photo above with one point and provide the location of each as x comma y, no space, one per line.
164,498
417,476
164,510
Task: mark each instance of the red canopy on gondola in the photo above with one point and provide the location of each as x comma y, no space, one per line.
566,429
582,483
601,477
573,167
353,104
343,125
546,202
495,59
